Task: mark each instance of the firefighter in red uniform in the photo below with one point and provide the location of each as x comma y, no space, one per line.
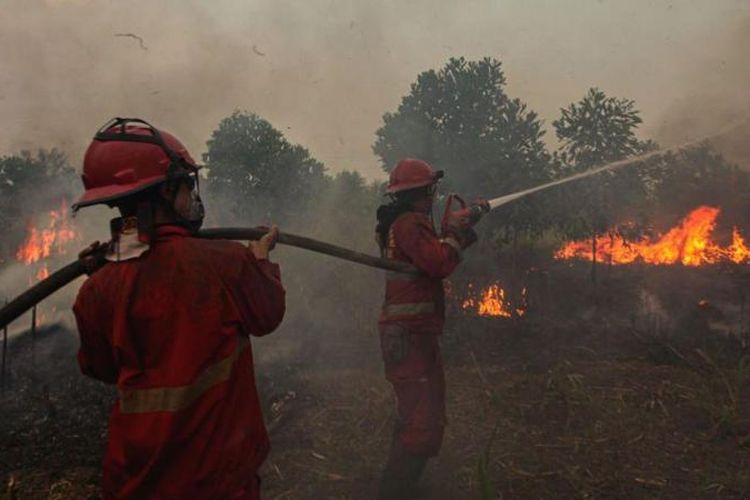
412,319
168,321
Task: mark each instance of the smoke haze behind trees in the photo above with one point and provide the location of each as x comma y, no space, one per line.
323,72
461,118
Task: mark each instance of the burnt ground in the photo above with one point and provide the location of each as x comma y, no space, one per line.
530,422
601,403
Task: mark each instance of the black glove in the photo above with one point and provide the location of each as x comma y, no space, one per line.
465,237
93,256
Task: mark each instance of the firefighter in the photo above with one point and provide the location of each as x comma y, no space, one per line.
167,320
412,318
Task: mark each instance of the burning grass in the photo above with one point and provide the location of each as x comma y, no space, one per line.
689,243
490,302
42,242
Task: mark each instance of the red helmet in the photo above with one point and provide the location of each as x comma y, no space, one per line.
412,174
129,155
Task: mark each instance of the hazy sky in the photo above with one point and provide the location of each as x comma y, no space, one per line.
325,71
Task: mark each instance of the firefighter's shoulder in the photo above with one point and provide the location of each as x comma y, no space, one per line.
227,258
410,219
219,248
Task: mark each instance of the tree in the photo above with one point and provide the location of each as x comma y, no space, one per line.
343,214
256,174
345,208
598,129
459,119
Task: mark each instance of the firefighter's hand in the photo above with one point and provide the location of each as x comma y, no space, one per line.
484,205
265,244
91,256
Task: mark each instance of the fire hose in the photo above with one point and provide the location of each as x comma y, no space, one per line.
473,212
74,270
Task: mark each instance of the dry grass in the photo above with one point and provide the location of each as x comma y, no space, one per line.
568,422
595,429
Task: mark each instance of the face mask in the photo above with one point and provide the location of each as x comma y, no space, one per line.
193,220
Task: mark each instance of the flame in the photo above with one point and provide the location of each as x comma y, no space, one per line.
688,243
40,243
738,250
491,302
43,273
43,242
521,309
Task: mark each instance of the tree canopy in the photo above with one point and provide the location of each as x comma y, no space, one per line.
460,119
598,129
257,172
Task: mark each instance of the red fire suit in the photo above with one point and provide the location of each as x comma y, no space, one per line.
171,328
410,323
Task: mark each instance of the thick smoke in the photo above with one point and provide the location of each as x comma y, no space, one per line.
70,65
325,72
715,96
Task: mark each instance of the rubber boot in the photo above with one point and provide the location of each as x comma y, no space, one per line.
401,474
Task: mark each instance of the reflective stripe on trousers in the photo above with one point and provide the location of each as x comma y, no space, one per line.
179,397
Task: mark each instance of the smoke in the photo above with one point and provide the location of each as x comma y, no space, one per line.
71,65
324,72
70,71
715,96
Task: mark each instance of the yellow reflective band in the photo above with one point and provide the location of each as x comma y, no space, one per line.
180,397
453,242
413,308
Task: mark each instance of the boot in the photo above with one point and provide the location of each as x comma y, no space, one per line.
401,474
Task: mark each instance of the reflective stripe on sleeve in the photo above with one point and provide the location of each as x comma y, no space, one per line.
450,240
179,397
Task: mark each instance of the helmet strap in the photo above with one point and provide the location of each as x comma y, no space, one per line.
146,224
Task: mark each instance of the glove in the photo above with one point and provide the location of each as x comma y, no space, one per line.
482,205
93,256
461,232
